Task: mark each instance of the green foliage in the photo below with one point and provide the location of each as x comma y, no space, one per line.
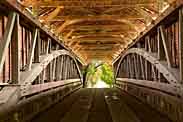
91,74
100,71
107,74
91,69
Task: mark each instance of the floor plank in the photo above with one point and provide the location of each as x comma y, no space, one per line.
100,105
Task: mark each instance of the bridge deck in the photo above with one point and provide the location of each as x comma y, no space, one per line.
100,105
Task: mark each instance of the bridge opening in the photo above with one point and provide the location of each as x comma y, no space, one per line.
99,75
45,44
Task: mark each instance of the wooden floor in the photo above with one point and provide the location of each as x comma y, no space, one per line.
100,105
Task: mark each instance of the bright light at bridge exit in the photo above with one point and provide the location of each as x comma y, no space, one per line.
99,75
99,84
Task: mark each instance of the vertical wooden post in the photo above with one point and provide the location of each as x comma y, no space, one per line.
37,48
138,67
146,69
6,38
50,46
42,76
124,69
144,62
57,47
142,68
146,44
181,44
73,69
149,44
57,69
70,68
161,54
61,66
47,46
54,67
50,70
166,46
15,51
135,66
75,73
58,64
154,73
31,53
72,64
127,67
50,65
66,66
138,45
36,54
150,50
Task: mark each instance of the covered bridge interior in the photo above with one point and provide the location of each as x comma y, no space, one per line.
45,45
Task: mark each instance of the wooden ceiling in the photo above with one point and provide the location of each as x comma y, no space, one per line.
96,29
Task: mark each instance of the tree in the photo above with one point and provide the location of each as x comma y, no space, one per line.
107,74
99,71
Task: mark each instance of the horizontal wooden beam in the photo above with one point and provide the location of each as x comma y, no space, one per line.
75,3
12,101
97,36
35,89
95,52
6,93
97,46
100,49
69,17
98,55
101,39
88,32
175,90
107,27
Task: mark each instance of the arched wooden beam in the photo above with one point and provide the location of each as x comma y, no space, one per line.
118,40
115,16
169,73
27,77
75,21
52,14
10,95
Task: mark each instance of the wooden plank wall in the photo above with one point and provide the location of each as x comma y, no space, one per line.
5,75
